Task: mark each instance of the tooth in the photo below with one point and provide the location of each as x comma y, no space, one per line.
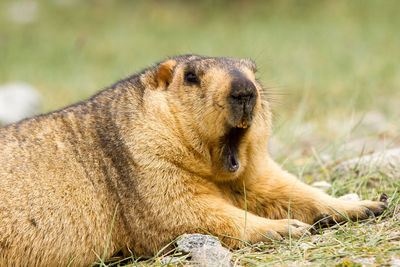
242,124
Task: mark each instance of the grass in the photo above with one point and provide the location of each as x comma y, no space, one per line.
351,244
327,64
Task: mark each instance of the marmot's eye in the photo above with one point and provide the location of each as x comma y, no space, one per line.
190,77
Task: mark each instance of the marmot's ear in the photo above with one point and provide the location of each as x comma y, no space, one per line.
164,73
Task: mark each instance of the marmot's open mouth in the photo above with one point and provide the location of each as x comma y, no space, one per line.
230,143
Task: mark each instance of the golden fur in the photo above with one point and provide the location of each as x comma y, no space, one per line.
151,150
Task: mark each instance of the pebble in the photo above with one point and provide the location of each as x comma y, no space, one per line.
23,12
18,101
395,261
365,261
205,250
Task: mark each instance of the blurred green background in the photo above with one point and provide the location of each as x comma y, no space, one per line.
319,58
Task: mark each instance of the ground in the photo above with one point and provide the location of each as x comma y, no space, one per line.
330,68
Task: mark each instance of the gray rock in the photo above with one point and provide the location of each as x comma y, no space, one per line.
18,101
387,162
188,242
211,256
205,250
23,12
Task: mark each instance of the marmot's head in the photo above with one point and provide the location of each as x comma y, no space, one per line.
218,98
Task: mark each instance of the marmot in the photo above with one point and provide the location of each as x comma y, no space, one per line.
181,147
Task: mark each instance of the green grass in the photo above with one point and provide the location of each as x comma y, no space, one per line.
326,63
341,245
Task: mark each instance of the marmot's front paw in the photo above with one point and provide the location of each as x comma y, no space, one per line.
353,211
371,209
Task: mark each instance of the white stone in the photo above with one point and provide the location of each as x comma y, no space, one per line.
365,261
395,261
205,250
188,242
210,256
18,101
23,12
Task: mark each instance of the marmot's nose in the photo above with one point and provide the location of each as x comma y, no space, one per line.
243,94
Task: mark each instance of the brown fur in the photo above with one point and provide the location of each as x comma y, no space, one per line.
149,148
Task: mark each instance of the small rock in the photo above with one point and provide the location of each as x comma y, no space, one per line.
18,101
395,261
211,256
387,162
350,197
23,12
325,158
323,185
188,242
365,261
206,250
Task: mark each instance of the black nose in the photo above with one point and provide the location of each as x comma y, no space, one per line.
242,98
242,90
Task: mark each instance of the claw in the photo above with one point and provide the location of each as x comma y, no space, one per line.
370,214
313,230
324,220
383,198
